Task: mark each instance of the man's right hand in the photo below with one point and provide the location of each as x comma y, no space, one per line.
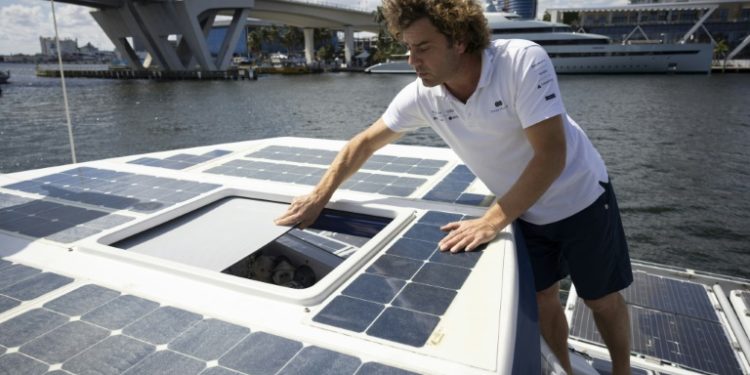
303,211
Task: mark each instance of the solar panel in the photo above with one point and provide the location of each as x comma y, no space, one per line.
114,190
404,326
35,286
452,189
670,295
686,341
425,298
162,325
349,313
385,163
209,339
374,288
58,222
179,161
162,339
167,362
385,184
316,360
260,353
418,281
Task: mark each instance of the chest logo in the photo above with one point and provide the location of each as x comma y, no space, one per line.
442,116
499,106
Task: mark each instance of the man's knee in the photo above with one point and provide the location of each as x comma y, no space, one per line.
608,303
547,296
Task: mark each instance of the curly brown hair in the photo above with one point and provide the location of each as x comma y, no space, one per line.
458,20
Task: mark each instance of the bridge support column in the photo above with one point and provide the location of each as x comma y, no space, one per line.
348,45
231,38
173,32
309,45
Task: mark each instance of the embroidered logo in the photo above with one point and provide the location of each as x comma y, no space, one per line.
441,116
544,83
550,97
498,103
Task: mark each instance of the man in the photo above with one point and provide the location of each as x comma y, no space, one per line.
498,106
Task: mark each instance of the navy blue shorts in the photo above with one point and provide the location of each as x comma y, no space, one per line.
589,246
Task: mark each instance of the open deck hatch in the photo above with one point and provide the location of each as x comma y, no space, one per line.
236,235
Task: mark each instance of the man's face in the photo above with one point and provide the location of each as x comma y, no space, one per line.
429,53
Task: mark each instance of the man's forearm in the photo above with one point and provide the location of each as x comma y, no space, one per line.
547,138
536,178
348,161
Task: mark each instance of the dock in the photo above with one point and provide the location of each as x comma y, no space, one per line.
232,74
731,66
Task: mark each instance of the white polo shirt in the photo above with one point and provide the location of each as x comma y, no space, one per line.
517,89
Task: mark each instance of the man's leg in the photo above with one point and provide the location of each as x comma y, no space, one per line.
612,320
553,325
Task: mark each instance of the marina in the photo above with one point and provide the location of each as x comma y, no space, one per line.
234,74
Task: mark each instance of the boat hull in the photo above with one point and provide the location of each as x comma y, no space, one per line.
606,59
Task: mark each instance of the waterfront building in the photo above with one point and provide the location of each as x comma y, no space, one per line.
526,9
666,22
49,46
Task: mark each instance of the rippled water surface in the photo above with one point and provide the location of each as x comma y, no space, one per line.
676,146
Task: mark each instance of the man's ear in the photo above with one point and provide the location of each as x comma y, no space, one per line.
460,46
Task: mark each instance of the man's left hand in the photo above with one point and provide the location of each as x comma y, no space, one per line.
467,235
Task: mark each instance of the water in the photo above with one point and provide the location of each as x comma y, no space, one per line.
676,146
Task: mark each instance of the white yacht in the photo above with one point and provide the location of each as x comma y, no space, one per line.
577,52
169,262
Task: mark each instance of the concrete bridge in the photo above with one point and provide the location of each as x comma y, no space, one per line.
155,22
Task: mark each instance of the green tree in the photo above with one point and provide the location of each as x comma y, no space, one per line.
269,34
546,17
254,41
387,45
292,38
720,49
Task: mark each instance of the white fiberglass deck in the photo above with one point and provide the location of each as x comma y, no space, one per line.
71,300
109,267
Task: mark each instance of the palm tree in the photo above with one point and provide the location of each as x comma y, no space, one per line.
720,52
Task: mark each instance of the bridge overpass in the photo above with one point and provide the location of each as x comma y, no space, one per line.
155,22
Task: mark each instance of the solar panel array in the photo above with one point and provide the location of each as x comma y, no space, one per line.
113,190
41,218
403,294
384,163
93,329
179,161
401,186
452,189
674,327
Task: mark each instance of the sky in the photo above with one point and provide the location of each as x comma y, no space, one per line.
22,22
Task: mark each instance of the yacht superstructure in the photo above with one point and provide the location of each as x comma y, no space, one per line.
577,52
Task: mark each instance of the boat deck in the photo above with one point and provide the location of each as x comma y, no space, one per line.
124,265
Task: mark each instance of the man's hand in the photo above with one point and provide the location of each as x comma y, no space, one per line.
467,235
303,211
